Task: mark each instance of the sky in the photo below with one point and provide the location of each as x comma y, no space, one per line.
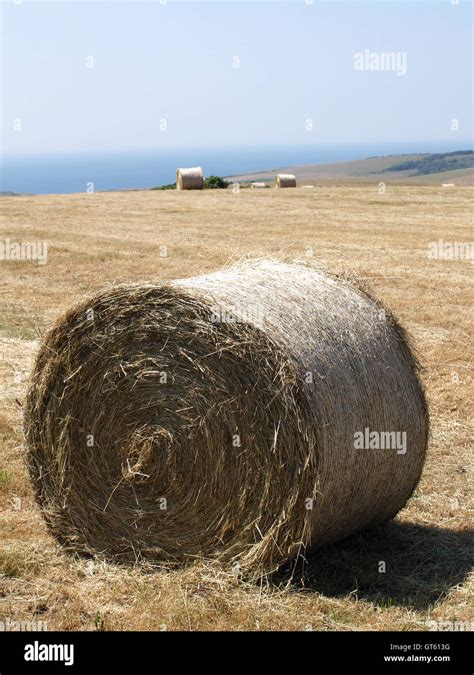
102,76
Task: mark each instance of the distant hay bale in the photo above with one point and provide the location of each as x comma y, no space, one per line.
255,186
285,180
308,187
190,179
217,416
448,185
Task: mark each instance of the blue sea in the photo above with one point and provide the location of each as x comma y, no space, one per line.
57,174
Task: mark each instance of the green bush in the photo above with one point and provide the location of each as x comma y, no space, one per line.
211,182
215,182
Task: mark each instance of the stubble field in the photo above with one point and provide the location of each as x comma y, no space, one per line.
97,239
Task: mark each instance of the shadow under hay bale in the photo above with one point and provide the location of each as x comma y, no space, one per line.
421,565
216,416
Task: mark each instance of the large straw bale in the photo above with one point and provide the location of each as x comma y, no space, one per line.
216,416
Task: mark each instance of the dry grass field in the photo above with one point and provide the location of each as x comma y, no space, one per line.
98,239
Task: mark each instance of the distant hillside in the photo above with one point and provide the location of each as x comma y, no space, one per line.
456,167
448,161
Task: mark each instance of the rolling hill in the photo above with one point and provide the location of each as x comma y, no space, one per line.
454,167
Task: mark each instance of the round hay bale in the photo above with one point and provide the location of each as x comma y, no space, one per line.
285,180
217,416
190,179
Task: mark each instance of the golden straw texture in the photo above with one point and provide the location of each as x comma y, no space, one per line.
189,179
215,416
285,180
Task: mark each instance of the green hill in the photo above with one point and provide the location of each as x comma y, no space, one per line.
436,163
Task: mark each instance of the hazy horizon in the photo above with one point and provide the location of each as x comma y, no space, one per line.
76,172
421,145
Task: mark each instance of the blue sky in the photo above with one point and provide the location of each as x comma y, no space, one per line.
164,76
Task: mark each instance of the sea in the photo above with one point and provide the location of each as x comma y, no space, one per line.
101,171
